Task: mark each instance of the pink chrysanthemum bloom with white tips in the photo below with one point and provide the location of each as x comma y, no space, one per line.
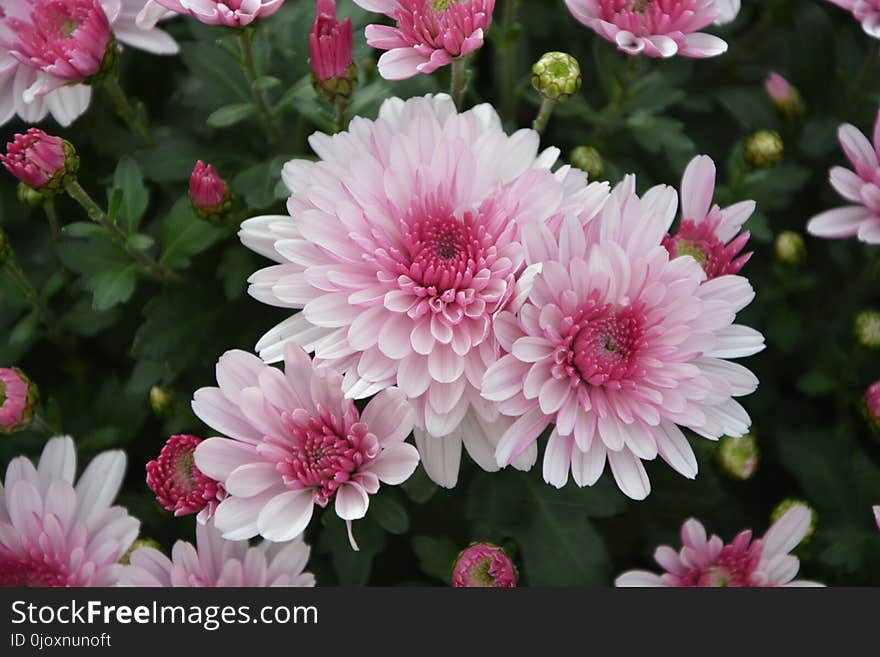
178,484
230,13
402,243
47,46
860,187
217,562
707,562
429,33
656,28
618,344
55,533
706,232
866,12
294,441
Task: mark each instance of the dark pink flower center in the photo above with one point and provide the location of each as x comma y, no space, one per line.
442,24
647,17
178,484
698,240
733,567
35,571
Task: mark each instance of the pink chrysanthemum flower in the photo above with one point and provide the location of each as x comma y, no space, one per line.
215,561
706,232
39,64
53,533
295,441
17,399
230,13
178,484
866,12
617,345
707,562
861,187
656,28
429,33
483,565
402,243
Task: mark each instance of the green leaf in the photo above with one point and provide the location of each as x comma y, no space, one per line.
215,69
389,513
352,567
436,556
230,115
140,242
129,182
83,229
83,319
185,235
106,271
258,185
235,267
266,82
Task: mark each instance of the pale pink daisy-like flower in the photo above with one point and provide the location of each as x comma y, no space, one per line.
178,484
866,12
47,46
402,243
295,441
55,533
706,232
483,565
707,562
656,28
860,187
429,33
217,562
618,344
230,13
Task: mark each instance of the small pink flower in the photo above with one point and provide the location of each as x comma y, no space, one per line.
778,88
16,400
706,232
866,12
861,187
483,565
178,484
330,43
429,33
39,160
231,13
215,561
207,190
707,562
295,441
656,28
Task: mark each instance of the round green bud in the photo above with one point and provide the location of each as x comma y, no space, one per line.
588,159
764,149
790,248
867,329
738,457
161,400
556,76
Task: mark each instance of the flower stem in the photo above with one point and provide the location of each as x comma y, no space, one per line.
126,111
267,118
341,108
41,425
36,301
459,81
52,216
96,214
540,122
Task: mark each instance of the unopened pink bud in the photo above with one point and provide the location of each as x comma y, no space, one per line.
208,193
784,96
178,484
18,398
483,565
40,161
872,403
330,43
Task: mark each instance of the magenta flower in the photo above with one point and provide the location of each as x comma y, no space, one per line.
40,61
295,441
707,562
706,232
231,13
215,561
330,43
656,28
17,397
861,187
617,344
429,33
483,565
178,484
866,12
39,160
207,191
53,533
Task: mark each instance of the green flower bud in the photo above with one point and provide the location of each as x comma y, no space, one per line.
738,457
341,88
790,248
556,76
764,149
588,159
161,400
787,504
29,196
867,329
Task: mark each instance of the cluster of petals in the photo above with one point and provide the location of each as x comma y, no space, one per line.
49,47
401,243
866,12
229,13
14,393
293,441
54,532
860,187
429,33
217,562
35,158
619,345
657,28
707,562
330,43
178,484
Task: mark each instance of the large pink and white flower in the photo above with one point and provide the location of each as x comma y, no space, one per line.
55,533
230,13
866,12
429,33
295,441
707,562
860,187
48,47
619,345
215,561
706,232
402,242
656,28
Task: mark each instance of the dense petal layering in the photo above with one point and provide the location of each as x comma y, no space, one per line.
229,13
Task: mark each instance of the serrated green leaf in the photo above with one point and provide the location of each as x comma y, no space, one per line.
184,235
128,182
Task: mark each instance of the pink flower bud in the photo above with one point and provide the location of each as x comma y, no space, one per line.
208,193
872,403
231,13
784,96
483,565
330,43
18,397
40,161
178,484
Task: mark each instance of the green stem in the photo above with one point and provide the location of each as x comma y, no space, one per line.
540,122
35,300
459,81
265,114
42,425
126,111
341,107
52,216
96,214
